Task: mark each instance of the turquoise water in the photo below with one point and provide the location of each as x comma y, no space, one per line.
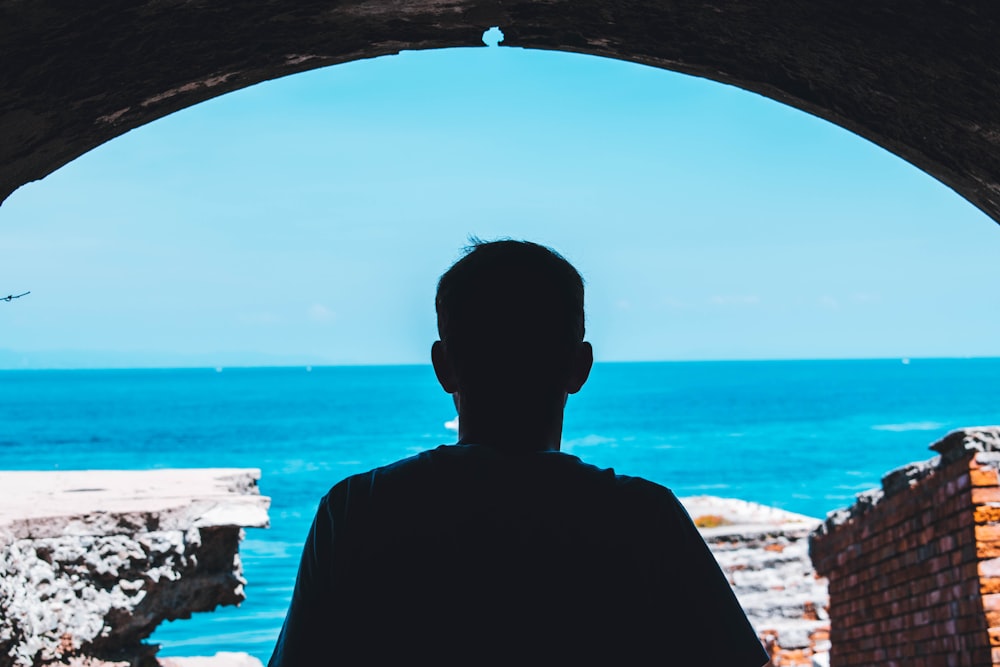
804,435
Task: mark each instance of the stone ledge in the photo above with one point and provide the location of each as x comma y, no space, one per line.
38,504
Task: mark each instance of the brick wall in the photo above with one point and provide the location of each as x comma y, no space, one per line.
914,567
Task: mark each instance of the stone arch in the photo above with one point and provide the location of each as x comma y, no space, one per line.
921,79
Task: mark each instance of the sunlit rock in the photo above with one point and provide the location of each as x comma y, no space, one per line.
92,561
765,553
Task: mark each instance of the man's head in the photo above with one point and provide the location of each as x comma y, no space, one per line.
510,317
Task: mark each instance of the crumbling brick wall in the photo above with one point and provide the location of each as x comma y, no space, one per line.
914,567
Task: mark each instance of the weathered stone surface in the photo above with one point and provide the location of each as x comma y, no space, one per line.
91,562
951,448
984,439
765,553
920,80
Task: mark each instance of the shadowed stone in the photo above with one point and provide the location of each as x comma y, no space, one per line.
920,79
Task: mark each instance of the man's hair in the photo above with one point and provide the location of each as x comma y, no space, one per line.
510,314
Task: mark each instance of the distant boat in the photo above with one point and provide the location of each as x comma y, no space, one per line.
452,425
906,361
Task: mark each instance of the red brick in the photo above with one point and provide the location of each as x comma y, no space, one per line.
991,602
983,477
985,494
987,514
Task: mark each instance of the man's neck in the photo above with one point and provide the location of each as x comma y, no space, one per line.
513,431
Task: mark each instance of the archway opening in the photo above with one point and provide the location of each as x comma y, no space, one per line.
662,199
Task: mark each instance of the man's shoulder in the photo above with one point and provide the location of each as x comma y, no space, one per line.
476,474
364,483
446,460
631,486
463,459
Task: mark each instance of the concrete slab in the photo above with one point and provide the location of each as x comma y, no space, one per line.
51,503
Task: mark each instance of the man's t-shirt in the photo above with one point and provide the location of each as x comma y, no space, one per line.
469,554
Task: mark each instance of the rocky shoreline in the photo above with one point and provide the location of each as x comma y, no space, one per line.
765,553
91,562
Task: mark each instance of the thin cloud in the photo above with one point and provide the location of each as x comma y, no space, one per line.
320,313
672,302
259,318
735,300
829,303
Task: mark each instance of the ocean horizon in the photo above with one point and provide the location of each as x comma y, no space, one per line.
124,364
802,435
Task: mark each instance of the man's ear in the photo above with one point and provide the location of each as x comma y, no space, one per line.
442,368
583,361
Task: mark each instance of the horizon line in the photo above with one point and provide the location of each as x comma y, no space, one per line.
309,367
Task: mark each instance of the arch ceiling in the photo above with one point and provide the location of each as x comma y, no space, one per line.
918,77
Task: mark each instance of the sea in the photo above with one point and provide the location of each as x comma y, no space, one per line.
805,436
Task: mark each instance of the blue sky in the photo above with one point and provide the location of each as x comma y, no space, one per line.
306,220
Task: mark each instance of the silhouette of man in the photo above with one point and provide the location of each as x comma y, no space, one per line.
500,549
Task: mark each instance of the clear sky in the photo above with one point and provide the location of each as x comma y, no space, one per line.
306,220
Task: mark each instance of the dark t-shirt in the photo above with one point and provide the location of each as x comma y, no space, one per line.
469,554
